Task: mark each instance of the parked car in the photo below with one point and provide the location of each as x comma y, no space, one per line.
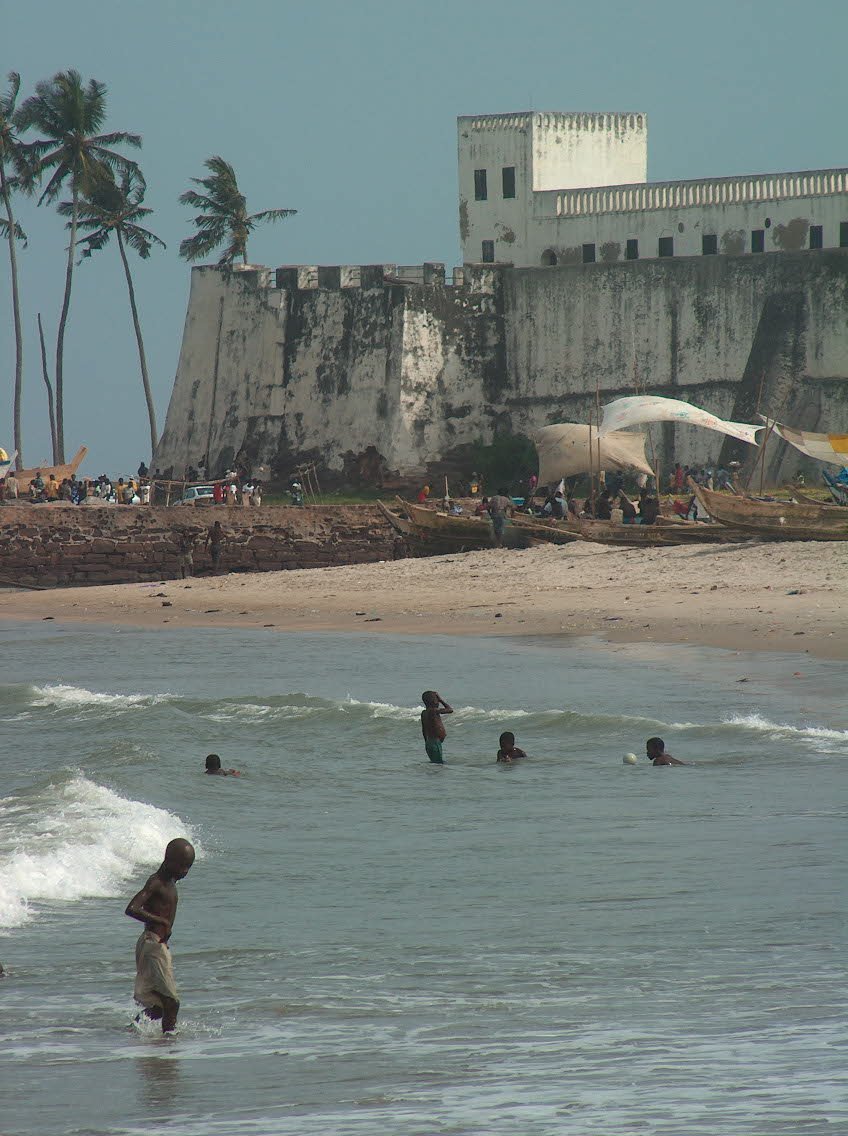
196,495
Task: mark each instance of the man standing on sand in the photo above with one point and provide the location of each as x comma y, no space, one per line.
500,506
432,726
156,907
215,544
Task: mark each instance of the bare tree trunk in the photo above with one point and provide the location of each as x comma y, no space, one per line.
16,310
142,358
50,408
60,337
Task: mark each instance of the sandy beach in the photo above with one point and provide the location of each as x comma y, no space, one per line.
785,597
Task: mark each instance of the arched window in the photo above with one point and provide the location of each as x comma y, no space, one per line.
549,258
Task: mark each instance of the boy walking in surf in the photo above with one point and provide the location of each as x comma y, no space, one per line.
156,907
432,726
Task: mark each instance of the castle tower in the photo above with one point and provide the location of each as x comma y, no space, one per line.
510,163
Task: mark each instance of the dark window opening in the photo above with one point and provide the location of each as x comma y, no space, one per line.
758,240
666,246
843,234
816,237
589,254
549,258
508,178
709,244
488,252
480,191
631,250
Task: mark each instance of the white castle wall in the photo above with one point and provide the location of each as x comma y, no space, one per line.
364,374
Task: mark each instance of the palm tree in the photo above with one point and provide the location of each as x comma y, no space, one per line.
69,115
223,215
13,175
117,209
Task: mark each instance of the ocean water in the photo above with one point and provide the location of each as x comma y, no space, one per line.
371,944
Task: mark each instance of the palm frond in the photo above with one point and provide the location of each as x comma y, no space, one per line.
20,235
272,215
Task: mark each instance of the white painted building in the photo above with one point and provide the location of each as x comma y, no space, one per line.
541,188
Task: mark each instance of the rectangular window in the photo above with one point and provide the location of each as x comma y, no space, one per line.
666,246
508,178
488,252
816,237
709,244
588,254
631,250
758,240
843,234
480,191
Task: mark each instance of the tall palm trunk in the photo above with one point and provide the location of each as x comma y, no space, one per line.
60,337
16,310
51,409
151,411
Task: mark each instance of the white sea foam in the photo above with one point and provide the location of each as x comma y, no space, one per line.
758,722
63,696
74,841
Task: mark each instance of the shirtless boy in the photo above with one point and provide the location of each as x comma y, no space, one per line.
156,907
432,726
509,751
655,748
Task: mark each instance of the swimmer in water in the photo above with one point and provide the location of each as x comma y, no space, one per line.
509,751
655,748
213,767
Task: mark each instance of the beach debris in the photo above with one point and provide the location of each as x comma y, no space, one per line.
167,603
267,624
742,680
795,592
359,613
211,610
375,619
46,617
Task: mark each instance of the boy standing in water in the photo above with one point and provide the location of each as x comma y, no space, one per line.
432,726
156,907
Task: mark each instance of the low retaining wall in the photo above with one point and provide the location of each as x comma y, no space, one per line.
68,544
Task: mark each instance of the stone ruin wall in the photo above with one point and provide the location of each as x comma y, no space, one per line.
377,371
68,544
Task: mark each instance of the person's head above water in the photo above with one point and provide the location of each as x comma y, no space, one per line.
430,698
179,857
507,740
213,763
654,747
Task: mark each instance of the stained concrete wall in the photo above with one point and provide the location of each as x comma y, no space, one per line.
386,379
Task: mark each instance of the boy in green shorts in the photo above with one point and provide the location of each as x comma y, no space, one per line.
432,726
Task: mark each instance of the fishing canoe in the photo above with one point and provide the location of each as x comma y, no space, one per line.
548,530
654,536
787,520
25,476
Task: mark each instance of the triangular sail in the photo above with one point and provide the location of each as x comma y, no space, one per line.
636,410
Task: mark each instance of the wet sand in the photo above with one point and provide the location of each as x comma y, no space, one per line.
786,597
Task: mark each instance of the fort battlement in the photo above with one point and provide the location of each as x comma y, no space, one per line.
364,277
742,190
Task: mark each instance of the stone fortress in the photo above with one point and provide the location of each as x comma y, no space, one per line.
578,277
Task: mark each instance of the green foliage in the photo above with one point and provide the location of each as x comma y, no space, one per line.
114,209
222,217
507,462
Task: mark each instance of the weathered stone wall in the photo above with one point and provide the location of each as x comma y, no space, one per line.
397,378
66,544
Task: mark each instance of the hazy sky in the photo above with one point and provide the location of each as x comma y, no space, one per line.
345,110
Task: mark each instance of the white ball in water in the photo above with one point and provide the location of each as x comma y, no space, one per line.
631,759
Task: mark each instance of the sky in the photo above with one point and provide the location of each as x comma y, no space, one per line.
345,110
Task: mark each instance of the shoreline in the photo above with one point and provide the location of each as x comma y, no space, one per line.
790,597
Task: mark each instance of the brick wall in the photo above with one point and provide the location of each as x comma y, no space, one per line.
67,544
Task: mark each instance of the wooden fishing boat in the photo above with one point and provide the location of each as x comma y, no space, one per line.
787,520
656,535
60,472
549,530
446,524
